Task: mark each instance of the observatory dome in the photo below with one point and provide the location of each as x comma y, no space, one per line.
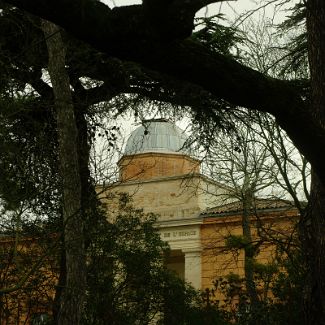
157,135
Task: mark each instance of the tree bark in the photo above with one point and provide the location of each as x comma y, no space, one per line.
312,234
312,227
73,296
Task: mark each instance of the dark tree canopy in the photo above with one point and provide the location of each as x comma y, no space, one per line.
155,35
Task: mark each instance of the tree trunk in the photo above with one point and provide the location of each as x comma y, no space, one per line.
313,222
73,296
312,231
249,252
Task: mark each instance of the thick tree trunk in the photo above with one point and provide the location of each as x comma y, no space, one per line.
313,222
73,295
312,230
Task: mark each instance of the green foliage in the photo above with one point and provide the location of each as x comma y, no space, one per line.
265,270
28,162
127,279
288,288
128,282
296,58
207,311
236,242
279,285
217,37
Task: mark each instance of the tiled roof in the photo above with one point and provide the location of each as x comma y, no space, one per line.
259,205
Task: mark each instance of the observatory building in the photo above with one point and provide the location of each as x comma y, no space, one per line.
195,213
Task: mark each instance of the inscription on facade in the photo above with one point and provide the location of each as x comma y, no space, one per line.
174,234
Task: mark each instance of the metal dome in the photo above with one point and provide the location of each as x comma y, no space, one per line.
157,135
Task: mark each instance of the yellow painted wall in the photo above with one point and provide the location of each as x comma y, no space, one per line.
217,261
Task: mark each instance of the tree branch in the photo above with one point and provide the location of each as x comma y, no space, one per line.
123,32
